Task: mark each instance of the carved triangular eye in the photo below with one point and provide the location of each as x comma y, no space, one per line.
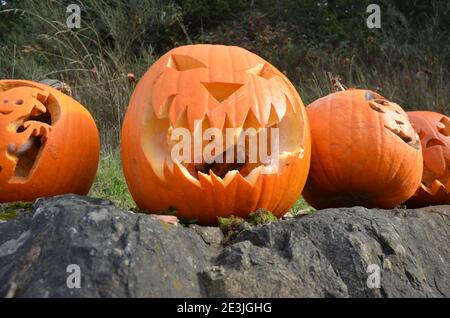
444,126
184,63
221,91
435,142
262,70
376,107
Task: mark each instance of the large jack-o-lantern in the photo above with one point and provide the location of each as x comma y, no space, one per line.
365,152
201,87
49,143
434,132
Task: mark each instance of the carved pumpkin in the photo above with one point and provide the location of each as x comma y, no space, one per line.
49,143
364,152
198,87
434,132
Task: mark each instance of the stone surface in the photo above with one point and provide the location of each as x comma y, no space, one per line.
123,254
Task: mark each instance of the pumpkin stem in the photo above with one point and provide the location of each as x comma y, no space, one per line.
336,85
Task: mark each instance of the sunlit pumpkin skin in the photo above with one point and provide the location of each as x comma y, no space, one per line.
223,87
364,152
434,132
49,143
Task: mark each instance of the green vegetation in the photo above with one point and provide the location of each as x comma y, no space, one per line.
232,225
261,216
301,207
11,210
110,182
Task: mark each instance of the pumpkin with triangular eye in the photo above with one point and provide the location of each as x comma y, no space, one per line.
218,96
49,143
434,132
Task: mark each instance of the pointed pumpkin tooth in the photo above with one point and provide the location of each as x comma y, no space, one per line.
216,180
204,178
178,118
180,171
230,175
290,109
273,117
253,176
164,110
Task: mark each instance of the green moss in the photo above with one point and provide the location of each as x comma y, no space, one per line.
9,211
6,216
229,223
261,216
230,226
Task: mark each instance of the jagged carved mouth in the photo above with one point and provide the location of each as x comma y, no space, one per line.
157,146
415,143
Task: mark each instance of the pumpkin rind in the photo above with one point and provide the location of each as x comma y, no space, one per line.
434,132
222,87
364,152
49,143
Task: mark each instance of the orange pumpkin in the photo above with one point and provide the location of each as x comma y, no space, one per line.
364,152
434,132
49,143
201,87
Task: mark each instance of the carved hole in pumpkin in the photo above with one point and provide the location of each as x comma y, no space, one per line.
221,91
434,142
444,126
27,158
376,108
27,154
184,63
421,134
263,70
407,139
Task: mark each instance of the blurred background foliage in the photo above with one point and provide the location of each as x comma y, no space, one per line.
407,60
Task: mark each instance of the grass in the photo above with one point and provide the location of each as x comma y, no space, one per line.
301,207
110,182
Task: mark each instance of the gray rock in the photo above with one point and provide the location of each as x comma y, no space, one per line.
123,254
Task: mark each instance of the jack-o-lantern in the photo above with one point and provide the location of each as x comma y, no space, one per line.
199,88
364,152
49,143
434,132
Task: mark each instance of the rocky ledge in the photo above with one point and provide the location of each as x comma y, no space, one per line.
330,253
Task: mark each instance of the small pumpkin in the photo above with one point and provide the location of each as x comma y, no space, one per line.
49,143
364,152
434,132
198,87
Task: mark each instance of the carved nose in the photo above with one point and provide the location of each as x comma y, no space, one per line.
221,91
